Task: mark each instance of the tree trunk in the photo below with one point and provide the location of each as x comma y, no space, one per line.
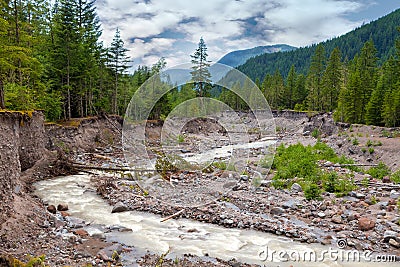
2,103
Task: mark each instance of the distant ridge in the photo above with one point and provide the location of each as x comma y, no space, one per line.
239,57
382,31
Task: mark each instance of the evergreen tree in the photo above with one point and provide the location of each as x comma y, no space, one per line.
314,79
118,62
200,73
332,81
387,82
367,67
290,88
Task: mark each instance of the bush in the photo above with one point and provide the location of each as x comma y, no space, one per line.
395,177
315,133
371,150
312,191
379,171
355,141
220,165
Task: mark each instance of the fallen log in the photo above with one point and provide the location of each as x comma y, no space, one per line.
173,215
117,169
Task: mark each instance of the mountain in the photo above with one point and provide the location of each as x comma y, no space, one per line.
383,32
239,57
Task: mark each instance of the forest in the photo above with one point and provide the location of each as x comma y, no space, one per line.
51,58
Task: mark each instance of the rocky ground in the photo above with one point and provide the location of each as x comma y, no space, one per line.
368,218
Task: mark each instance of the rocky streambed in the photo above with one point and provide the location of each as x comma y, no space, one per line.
141,233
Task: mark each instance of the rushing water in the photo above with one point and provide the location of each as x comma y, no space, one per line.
148,233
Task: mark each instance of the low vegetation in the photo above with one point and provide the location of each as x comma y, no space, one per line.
299,163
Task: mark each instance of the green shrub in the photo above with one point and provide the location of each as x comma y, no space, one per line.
330,181
219,165
180,138
315,133
395,177
355,141
363,150
379,171
312,191
371,150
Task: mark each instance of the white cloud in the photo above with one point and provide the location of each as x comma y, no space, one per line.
172,28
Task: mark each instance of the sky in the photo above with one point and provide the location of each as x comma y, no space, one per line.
152,29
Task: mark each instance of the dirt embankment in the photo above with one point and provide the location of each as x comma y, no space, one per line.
31,151
21,145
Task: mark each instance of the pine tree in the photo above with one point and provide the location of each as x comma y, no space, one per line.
200,73
332,81
367,66
290,88
118,62
64,57
314,79
387,82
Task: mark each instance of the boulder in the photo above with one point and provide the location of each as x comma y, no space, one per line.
81,232
366,224
62,207
277,211
389,235
119,207
394,243
296,188
337,219
110,253
51,209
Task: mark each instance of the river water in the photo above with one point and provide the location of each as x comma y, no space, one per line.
179,236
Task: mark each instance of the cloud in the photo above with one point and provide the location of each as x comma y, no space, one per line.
172,28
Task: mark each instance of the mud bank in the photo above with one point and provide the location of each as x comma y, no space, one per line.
21,146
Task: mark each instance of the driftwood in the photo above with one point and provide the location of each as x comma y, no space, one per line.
354,164
173,215
116,169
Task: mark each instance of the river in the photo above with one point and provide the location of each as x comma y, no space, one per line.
148,233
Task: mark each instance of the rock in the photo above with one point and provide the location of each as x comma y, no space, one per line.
386,179
119,207
394,194
64,214
244,178
290,204
321,215
365,223
389,235
360,195
62,207
110,253
266,183
296,188
277,211
81,233
394,243
51,209
75,222
337,219
228,221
